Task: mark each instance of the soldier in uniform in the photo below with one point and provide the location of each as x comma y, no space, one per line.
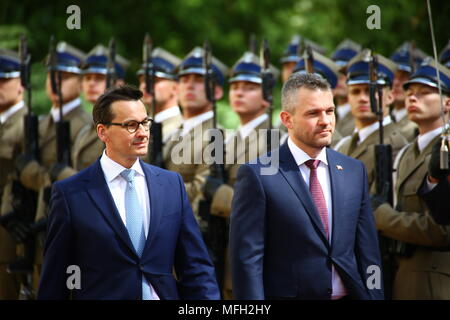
248,142
423,247
184,152
361,144
344,52
167,111
407,57
12,112
35,175
87,148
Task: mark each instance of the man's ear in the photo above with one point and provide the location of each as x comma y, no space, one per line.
102,132
286,119
218,93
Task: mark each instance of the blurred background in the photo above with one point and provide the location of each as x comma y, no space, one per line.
180,25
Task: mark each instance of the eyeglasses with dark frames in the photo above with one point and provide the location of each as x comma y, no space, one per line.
133,125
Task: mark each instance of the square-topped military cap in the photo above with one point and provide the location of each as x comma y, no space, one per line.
248,68
97,62
164,64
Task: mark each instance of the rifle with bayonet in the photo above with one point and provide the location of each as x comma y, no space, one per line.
383,174
156,139
20,220
383,152
63,140
268,83
111,76
62,127
216,236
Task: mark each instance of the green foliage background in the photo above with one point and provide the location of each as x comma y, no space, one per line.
179,25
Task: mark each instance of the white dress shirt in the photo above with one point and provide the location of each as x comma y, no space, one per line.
5,115
66,108
191,123
364,133
323,176
117,185
399,114
342,110
423,140
166,114
248,128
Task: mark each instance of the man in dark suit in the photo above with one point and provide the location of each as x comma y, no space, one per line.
125,224
307,230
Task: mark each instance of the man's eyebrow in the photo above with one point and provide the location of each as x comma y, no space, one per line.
315,109
132,119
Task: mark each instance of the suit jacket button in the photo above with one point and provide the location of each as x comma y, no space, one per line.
329,291
141,267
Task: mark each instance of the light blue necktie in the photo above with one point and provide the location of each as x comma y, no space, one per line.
135,222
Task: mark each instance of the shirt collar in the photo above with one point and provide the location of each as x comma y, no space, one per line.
364,133
342,110
66,108
112,169
190,123
166,114
399,114
247,128
5,115
424,140
301,156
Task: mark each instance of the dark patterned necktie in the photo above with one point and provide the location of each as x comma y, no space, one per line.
317,194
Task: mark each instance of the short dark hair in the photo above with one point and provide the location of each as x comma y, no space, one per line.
312,81
102,108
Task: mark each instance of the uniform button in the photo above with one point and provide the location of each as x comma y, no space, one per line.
329,291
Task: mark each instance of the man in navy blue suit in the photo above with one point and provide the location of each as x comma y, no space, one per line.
124,224
307,230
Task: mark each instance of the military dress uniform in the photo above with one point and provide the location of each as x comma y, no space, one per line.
184,152
360,145
422,248
341,56
37,175
11,145
407,57
364,150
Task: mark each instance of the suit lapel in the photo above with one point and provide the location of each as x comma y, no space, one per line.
419,160
99,192
291,173
154,186
337,179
